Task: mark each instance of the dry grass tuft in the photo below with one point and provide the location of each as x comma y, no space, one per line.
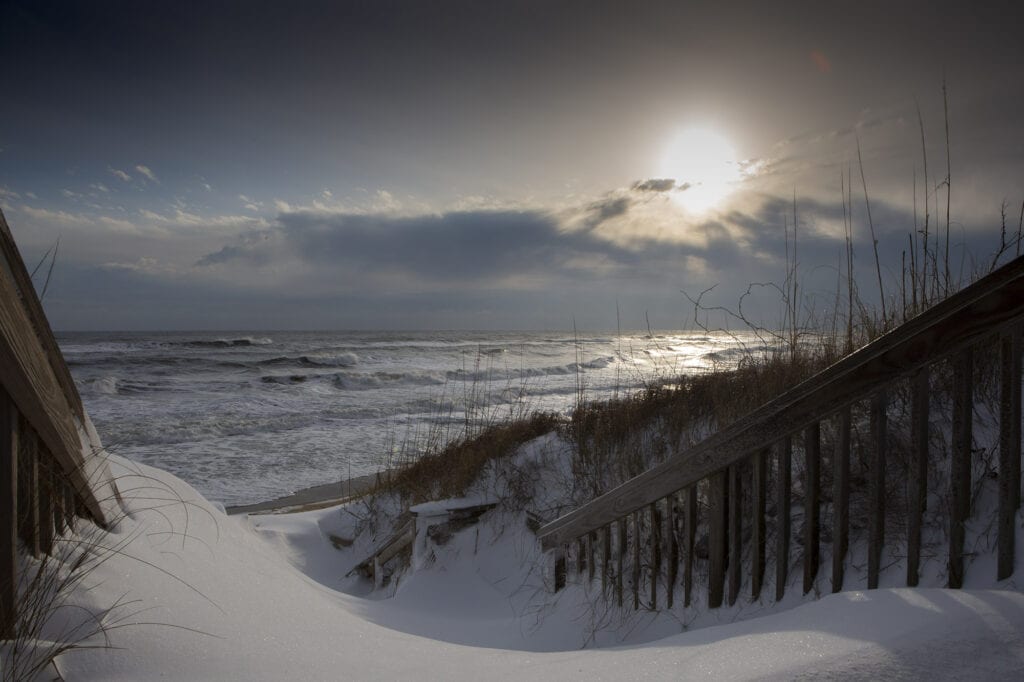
450,470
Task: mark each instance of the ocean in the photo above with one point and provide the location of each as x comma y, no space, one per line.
248,417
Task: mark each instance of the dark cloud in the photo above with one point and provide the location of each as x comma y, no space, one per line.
655,185
607,209
467,246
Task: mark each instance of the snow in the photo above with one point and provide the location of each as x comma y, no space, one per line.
266,598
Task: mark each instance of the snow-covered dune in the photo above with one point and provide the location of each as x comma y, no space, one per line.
216,601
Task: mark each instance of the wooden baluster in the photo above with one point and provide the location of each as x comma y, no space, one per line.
735,531
1015,473
8,516
559,568
960,467
876,487
591,541
46,531
56,497
841,499
717,549
689,542
69,506
785,453
757,514
655,522
28,488
812,503
917,478
636,560
671,549
606,557
1009,449
620,551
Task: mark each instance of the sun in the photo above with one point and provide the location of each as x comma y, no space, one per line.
703,164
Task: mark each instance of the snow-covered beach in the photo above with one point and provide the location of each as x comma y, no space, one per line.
214,597
187,592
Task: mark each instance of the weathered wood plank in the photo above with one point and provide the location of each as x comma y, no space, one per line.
735,532
28,489
671,550
841,499
960,467
402,538
812,504
717,549
759,479
8,516
966,317
876,486
690,536
655,524
1009,449
783,492
917,479
620,552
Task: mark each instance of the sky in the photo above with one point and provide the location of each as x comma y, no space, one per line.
475,165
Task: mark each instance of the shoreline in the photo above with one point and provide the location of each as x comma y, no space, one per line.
307,499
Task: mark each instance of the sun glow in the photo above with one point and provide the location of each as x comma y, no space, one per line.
703,164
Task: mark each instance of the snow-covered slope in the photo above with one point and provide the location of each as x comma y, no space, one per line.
220,598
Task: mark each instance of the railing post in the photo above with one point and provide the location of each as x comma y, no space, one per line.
606,557
689,541
717,549
672,550
591,538
636,560
620,554
8,516
558,565
960,467
28,488
56,497
1009,449
812,500
655,553
841,499
876,487
69,506
45,462
757,527
735,531
782,492
917,478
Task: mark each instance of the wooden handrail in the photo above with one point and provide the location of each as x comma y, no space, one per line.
972,314
34,310
27,374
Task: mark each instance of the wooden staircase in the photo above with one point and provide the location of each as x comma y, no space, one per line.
656,514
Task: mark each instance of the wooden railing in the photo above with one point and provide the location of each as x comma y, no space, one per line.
656,513
51,463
